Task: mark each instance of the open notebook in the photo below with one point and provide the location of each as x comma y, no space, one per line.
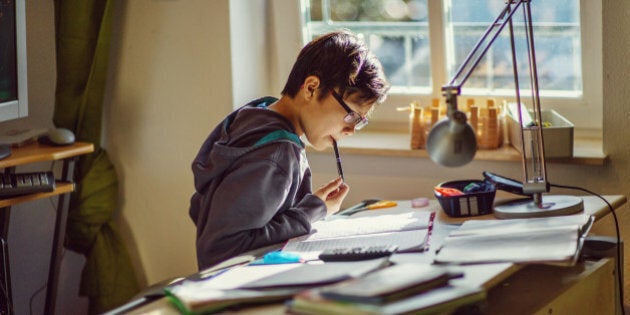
556,240
409,231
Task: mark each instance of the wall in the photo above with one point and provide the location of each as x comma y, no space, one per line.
170,83
174,66
173,78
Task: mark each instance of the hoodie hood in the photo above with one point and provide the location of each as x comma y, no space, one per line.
256,127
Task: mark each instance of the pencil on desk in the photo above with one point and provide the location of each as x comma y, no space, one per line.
339,169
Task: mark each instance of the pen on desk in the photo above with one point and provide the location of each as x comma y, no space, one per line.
339,169
374,206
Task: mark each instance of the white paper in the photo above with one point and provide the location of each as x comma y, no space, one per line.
353,226
310,250
406,230
234,278
553,239
478,227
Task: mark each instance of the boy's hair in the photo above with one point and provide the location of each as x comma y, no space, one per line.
340,60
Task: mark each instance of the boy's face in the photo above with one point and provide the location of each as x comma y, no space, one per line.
332,117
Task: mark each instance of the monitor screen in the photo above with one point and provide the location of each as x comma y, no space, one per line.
13,82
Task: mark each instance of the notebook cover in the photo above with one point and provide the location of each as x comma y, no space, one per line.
390,284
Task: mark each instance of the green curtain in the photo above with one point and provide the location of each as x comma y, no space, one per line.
83,31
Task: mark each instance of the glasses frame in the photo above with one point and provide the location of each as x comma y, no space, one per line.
357,120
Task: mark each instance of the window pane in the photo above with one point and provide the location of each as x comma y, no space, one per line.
557,44
395,30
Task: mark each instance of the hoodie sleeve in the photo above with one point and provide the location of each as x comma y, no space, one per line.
264,199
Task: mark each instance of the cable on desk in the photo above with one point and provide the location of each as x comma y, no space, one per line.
618,260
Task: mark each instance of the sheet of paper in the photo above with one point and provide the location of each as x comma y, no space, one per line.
479,227
551,240
310,249
275,274
236,277
544,245
310,274
363,225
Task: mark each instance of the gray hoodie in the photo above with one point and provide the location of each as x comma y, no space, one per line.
252,185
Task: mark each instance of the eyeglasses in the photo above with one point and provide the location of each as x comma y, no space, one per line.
352,118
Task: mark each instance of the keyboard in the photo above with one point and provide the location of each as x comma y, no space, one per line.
16,184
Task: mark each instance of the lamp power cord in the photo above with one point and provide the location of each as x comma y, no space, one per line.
618,236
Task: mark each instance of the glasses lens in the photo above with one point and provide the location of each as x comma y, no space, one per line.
361,123
352,118
355,119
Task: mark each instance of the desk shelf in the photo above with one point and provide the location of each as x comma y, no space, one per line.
60,188
34,153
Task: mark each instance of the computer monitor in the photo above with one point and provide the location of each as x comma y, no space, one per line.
13,79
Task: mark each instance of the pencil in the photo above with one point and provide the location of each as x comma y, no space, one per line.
339,169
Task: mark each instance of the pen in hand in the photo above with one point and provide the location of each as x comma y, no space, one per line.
339,169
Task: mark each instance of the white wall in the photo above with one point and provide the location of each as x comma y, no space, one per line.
248,37
170,83
172,80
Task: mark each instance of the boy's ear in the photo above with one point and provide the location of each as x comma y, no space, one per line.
311,83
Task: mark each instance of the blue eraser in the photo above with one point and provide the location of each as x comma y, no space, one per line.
279,257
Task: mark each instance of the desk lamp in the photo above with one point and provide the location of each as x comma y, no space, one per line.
452,142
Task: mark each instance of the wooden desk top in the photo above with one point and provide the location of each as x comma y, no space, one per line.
482,275
35,152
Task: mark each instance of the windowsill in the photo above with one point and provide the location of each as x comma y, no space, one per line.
396,144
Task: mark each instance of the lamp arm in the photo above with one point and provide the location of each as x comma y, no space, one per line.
453,88
481,47
452,142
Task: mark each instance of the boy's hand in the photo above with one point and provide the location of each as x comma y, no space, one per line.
333,194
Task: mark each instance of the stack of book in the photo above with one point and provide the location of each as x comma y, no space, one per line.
262,284
399,289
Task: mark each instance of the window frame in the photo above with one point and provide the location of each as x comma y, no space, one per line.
584,111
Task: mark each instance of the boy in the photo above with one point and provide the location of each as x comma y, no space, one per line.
252,179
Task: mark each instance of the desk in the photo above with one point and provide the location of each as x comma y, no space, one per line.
557,290
33,153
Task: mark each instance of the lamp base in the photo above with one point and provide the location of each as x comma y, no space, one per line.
553,205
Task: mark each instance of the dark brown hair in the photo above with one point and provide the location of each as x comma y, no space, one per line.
341,61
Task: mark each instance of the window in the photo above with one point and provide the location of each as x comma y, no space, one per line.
557,40
396,31
421,43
